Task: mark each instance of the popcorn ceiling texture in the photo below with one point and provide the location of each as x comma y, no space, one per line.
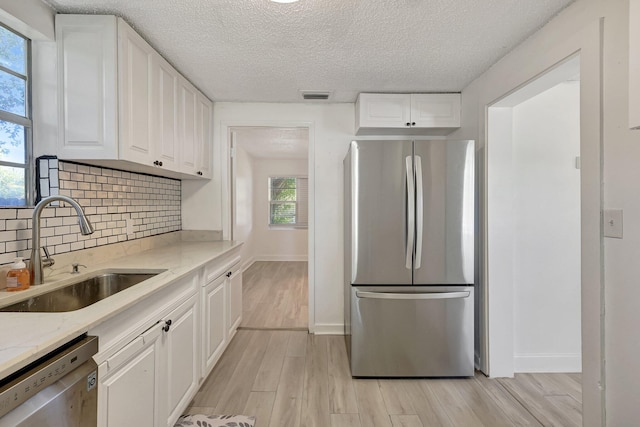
109,198
257,50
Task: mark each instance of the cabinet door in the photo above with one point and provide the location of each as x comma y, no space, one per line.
165,125
234,284
384,110
135,59
87,74
187,97
182,346
435,110
204,141
129,392
213,322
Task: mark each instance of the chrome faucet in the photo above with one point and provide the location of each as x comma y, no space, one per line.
35,265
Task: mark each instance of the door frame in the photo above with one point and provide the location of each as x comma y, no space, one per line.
588,44
227,196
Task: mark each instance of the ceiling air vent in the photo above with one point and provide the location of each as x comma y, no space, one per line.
315,95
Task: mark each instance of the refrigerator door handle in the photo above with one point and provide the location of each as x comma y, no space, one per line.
411,208
419,212
410,296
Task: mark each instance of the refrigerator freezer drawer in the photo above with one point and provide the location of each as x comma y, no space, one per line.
412,331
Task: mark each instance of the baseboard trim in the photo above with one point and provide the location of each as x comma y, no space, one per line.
547,362
292,257
328,329
248,263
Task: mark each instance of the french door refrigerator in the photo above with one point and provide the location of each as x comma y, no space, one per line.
409,258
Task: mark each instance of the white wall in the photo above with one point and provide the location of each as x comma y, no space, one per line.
205,205
546,237
579,28
275,244
244,196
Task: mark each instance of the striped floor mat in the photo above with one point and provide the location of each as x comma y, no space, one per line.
215,421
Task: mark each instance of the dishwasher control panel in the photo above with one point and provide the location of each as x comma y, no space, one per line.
46,371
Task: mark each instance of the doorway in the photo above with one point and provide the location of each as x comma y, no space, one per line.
534,228
270,214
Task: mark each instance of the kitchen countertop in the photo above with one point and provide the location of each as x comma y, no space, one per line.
25,337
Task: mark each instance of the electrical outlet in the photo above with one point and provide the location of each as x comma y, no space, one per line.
613,223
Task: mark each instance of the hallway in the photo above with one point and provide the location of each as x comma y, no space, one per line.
275,295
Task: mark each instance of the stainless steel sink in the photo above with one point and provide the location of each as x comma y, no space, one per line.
81,294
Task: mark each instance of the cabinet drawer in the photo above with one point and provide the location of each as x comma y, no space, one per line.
221,266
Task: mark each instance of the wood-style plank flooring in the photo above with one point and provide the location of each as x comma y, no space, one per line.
275,295
291,378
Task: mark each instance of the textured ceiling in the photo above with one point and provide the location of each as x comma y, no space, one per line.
273,143
257,50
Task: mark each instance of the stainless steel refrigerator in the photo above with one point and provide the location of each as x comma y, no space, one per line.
409,258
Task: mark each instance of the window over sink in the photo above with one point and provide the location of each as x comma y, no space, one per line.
15,119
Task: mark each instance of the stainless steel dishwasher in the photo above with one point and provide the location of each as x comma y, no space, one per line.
59,389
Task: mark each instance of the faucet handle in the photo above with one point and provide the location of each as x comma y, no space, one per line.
48,261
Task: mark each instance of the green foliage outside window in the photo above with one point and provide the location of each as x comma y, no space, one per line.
14,117
282,196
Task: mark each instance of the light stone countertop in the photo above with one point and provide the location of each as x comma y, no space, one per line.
25,337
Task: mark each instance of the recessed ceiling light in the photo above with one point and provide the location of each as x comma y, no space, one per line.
284,1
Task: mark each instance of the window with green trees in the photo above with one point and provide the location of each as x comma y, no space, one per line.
15,118
288,200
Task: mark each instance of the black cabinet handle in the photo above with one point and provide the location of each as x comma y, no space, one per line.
199,173
229,274
167,325
160,163
408,124
412,124
155,163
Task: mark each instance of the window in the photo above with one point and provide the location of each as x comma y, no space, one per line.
15,119
288,199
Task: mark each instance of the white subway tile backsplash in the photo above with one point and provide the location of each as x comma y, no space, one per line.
8,213
109,197
52,241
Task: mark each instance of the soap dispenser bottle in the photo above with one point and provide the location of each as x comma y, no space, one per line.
18,277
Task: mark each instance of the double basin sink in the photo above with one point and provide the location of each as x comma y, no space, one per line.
82,293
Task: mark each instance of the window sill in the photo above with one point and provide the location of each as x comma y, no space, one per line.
287,227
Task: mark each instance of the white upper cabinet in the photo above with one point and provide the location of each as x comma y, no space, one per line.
383,110
204,136
121,104
187,95
165,132
407,114
137,106
435,110
87,70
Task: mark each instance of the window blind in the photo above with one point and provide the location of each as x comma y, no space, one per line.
288,201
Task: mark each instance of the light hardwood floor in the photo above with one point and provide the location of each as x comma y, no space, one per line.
275,295
290,378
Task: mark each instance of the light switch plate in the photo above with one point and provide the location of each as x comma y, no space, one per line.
613,223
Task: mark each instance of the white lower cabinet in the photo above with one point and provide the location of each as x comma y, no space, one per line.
213,323
129,383
234,285
154,355
181,342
